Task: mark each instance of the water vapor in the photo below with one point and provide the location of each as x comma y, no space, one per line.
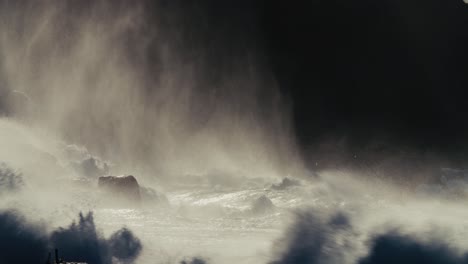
125,80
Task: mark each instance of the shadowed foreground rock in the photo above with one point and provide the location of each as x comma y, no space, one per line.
120,191
24,242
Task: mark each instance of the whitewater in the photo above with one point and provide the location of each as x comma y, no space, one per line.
120,88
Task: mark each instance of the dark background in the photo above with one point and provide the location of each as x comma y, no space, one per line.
391,71
365,79
369,83
385,79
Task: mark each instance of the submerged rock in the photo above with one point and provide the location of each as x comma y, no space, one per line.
262,205
150,197
121,191
285,183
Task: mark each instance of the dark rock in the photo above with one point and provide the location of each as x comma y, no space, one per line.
285,183
121,191
150,197
262,205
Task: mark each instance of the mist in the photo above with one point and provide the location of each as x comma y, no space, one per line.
101,88
164,132
113,77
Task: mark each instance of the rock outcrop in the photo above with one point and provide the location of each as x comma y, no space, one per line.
120,191
150,197
285,183
262,205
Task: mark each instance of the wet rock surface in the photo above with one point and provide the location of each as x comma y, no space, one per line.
120,191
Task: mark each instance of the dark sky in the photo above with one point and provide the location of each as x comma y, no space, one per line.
389,72
393,72
367,69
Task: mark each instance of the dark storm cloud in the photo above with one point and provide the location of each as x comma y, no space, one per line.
391,70
22,242
396,248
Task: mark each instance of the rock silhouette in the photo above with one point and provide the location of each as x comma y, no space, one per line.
120,191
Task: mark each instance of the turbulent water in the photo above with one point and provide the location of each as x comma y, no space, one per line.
94,88
221,217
